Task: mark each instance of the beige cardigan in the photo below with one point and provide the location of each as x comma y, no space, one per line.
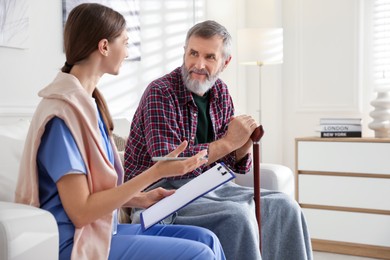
68,100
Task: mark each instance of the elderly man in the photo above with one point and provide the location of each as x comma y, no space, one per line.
192,103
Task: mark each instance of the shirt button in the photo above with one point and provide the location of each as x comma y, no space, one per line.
192,137
195,114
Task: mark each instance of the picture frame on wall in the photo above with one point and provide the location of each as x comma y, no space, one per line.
128,8
14,23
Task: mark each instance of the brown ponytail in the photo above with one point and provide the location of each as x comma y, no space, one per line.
66,68
102,105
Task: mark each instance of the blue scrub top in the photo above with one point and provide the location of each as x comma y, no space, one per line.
58,155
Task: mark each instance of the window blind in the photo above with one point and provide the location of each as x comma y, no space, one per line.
381,43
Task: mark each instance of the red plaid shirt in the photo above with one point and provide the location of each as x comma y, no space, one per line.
167,115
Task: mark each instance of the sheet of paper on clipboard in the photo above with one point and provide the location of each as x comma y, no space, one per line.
197,187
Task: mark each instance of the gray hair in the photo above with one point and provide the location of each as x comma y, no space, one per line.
208,29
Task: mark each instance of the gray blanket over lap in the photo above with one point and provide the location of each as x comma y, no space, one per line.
229,212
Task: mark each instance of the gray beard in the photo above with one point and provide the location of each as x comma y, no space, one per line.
196,86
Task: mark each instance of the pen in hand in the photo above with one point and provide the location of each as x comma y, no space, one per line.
156,159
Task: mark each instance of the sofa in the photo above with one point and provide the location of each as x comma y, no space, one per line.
27,232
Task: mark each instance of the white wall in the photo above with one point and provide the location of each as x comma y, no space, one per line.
23,72
323,72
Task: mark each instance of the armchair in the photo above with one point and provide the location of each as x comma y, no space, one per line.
273,176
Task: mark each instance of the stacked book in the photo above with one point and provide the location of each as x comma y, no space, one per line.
340,127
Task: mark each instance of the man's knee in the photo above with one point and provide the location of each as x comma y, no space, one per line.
279,203
239,214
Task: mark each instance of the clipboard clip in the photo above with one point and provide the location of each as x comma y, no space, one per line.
219,169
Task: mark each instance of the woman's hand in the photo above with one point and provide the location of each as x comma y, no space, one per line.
84,207
148,198
177,168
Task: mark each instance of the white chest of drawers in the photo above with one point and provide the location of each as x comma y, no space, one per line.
343,187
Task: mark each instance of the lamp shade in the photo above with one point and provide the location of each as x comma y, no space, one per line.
260,46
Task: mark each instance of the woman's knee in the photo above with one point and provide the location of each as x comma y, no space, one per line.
207,239
203,252
201,234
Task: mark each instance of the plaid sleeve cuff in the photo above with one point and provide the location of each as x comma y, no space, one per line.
242,166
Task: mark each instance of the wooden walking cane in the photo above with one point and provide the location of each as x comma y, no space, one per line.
256,136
